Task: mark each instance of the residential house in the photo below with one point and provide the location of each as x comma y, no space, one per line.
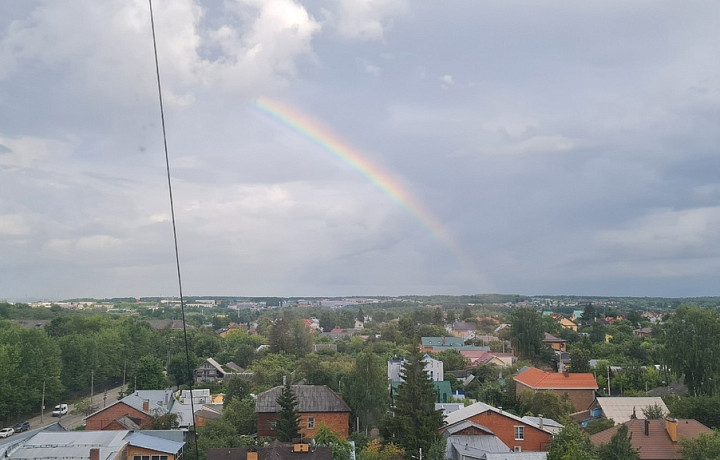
477,358
623,409
469,441
210,371
655,439
273,451
518,434
463,330
317,404
555,343
433,368
643,332
134,410
97,445
567,324
580,387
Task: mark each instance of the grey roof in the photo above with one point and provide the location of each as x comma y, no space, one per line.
69,445
160,401
620,409
154,443
311,398
546,421
473,446
479,407
465,424
77,444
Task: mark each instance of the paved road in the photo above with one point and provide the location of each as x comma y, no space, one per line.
71,420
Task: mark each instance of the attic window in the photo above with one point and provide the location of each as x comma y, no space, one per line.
311,422
519,433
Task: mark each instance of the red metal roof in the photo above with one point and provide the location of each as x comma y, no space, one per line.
541,380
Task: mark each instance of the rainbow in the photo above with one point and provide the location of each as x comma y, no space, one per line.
305,125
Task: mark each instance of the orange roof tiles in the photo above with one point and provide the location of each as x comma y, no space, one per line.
541,380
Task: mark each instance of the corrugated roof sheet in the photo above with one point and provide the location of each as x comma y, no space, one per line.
620,409
153,443
311,398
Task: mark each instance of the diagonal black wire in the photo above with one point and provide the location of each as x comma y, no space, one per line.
172,213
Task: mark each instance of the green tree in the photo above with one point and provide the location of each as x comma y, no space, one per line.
692,348
414,422
287,425
341,449
149,374
705,446
545,403
571,444
240,413
236,388
580,360
452,360
526,332
653,412
365,389
619,447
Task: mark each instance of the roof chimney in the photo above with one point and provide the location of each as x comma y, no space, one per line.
671,428
647,427
540,423
146,405
94,453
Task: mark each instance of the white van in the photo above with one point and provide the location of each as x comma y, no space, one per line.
60,409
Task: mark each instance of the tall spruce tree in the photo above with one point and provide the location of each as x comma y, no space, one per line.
287,425
414,422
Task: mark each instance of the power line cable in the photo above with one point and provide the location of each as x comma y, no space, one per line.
174,227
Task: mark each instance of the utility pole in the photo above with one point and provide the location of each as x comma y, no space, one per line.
42,404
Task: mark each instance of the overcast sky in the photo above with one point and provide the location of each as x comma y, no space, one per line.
360,147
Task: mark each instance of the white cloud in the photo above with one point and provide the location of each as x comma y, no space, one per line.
367,19
446,81
687,232
107,47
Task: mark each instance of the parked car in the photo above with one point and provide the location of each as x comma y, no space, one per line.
22,426
5,432
60,409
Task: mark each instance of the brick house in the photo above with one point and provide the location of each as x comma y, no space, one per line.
520,435
136,409
580,387
317,404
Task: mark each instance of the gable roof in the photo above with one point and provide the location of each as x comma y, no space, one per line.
311,398
478,408
542,380
620,409
464,425
657,443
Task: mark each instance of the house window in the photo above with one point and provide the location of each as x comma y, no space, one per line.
159,457
141,457
517,449
311,422
519,433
